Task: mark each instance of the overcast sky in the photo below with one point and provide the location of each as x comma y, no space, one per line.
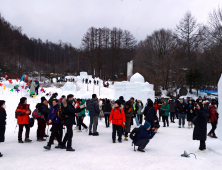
68,20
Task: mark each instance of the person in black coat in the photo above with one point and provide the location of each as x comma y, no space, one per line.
200,126
94,112
150,113
190,113
69,121
44,110
107,109
2,121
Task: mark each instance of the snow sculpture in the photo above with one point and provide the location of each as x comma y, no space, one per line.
137,78
54,80
137,88
69,87
83,74
129,69
219,126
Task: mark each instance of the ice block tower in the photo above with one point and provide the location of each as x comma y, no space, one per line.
219,126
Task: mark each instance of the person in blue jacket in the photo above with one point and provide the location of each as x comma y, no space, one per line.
56,123
143,137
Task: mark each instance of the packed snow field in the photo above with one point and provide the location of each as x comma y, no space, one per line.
98,152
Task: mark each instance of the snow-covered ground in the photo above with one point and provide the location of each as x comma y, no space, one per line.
163,151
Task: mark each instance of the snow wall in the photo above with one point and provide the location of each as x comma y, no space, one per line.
219,126
137,88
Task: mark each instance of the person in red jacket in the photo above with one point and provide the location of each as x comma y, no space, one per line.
22,115
213,119
117,117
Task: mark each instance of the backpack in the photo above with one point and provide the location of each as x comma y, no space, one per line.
134,133
31,122
60,113
36,114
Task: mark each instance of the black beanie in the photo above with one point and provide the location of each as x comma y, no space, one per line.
23,99
94,96
118,102
43,99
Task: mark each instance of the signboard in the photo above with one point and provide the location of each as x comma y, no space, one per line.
208,91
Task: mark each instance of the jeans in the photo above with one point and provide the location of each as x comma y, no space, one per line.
202,145
55,133
81,123
37,90
77,120
140,118
182,117
142,143
172,115
165,120
119,130
214,126
68,137
27,127
41,128
106,118
93,123
160,118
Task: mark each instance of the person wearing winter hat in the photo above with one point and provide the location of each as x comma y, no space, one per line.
44,110
144,135
117,117
2,121
22,115
165,108
94,111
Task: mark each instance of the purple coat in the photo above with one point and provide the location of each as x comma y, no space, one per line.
53,114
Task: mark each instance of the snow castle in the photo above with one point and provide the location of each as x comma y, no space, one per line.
219,126
136,87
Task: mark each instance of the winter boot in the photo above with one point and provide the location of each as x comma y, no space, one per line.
38,139
77,127
183,126
20,141
209,135
70,149
47,147
41,140
58,146
28,140
120,140
1,154
214,136
45,135
90,133
126,139
63,147
140,150
96,134
179,126
114,141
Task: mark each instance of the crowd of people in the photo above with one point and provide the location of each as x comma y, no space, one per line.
67,112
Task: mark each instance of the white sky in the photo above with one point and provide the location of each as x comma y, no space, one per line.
68,20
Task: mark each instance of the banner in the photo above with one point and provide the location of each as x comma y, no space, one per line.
208,91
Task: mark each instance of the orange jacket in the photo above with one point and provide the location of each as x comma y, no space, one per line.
117,117
21,115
